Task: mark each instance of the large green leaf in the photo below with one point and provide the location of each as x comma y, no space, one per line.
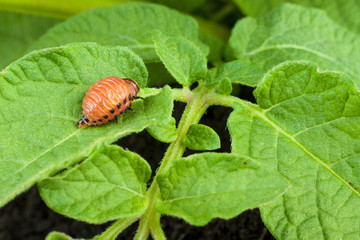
306,127
342,12
40,101
129,25
110,184
208,185
181,57
17,33
293,32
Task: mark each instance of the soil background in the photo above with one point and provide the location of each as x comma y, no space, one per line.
27,217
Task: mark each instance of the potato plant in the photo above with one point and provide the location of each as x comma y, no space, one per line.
294,153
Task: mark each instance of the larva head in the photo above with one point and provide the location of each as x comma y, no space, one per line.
84,121
133,84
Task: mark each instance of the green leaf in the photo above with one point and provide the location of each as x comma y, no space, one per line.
110,184
129,24
158,75
59,236
164,133
258,8
306,127
17,33
216,46
237,71
209,185
212,27
146,92
40,101
224,86
181,57
345,13
296,33
201,137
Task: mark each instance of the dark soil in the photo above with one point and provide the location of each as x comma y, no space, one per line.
27,217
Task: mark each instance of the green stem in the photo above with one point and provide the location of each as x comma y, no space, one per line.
225,100
54,9
112,231
181,95
197,105
156,230
178,94
224,11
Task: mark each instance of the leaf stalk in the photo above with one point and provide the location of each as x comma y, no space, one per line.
196,107
112,231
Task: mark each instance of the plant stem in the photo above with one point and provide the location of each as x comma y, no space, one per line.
156,231
224,11
226,100
196,107
181,95
59,9
197,103
112,231
193,112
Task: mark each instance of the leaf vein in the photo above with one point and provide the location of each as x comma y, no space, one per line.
302,147
114,185
306,49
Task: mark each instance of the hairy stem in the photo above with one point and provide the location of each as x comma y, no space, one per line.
156,230
197,104
227,101
112,231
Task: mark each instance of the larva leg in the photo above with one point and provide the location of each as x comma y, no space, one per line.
131,109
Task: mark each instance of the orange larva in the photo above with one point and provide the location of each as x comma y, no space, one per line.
106,99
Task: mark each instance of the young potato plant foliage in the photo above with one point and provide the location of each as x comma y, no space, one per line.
294,154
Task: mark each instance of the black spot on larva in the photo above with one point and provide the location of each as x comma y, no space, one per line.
106,116
94,121
118,105
100,120
124,100
112,110
87,120
129,97
121,111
